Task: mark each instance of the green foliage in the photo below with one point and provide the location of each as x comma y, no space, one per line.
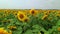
34,26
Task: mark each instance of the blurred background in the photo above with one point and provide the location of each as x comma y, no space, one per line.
28,4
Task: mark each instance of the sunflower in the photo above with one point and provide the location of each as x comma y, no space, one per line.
33,12
7,11
12,27
15,13
53,11
58,15
26,19
21,16
4,15
45,16
46,13
2,31
58,28
10,32
50,18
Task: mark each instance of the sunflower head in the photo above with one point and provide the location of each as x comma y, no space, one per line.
2,31
21,15
58,28
15,13
33,12
12,27
58,15
50,18
45,13
10,32
44,17
26,19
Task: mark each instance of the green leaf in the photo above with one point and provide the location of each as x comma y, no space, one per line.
36,26
28,32
58,22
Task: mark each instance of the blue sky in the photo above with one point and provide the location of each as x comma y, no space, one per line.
28,4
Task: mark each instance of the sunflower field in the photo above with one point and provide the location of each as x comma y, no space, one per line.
32,21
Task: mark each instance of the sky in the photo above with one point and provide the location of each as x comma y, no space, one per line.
28,4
